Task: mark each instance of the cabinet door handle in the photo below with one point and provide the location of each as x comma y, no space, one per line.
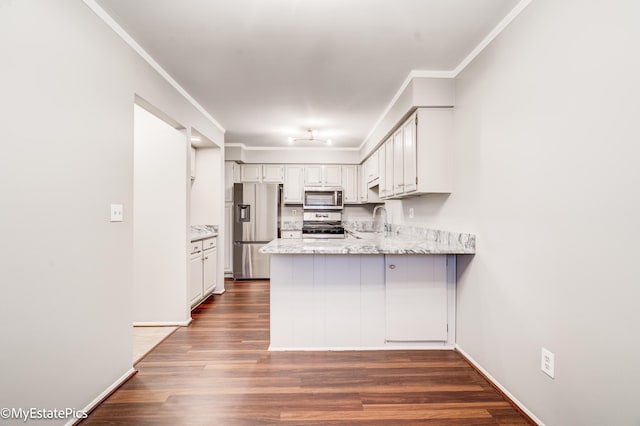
206,258
392,266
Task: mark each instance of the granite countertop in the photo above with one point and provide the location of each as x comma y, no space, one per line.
398,241
200,232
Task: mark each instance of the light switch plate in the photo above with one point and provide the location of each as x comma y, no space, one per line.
117,213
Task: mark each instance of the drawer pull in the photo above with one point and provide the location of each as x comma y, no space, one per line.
392,266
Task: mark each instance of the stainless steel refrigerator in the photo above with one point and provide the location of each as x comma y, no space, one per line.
256,214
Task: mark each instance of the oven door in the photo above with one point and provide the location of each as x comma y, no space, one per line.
322,230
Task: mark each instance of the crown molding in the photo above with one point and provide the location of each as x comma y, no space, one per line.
111,23
285,148
412,74
504,23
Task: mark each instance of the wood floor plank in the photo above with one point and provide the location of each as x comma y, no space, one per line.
218,371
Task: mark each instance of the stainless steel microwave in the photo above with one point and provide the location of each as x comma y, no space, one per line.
322,198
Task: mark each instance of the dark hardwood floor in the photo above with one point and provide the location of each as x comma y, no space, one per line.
218,372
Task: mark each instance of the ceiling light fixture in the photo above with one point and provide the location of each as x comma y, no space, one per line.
311,138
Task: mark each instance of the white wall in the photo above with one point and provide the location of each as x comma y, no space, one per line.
207,200
68,84
160,236
547,177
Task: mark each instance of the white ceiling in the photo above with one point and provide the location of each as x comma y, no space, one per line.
269,69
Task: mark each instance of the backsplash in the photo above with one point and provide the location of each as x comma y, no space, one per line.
413,232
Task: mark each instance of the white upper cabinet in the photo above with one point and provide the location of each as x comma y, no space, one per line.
262,173
230,177
410,157
251,173
388,168
363,189
313,175
272,173
317,175
418,157
332,175
382,167
398,160
293,184
371,169
350,184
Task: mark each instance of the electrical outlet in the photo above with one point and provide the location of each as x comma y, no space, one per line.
117,213
547,363
294,212
411,212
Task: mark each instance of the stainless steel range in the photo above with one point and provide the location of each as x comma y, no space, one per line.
322,224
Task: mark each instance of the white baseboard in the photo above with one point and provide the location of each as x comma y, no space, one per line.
162,323
499,386
364,348
93,404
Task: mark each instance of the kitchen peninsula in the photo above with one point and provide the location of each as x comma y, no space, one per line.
371,290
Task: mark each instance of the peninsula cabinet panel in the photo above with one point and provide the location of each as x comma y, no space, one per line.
416,298
353,301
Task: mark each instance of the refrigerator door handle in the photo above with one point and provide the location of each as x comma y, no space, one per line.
244,212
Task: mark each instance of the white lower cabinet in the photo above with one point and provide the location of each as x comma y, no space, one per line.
195,284
353,301
415,298
203,269
209,266
228,238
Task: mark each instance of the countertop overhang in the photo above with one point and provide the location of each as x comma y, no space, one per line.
434,242
201,232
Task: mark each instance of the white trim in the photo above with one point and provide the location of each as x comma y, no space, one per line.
387,347
499,386
413,74
162,323
102,14
492,35
285,148
518,8
126,376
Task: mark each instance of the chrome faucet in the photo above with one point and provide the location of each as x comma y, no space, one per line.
386,223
